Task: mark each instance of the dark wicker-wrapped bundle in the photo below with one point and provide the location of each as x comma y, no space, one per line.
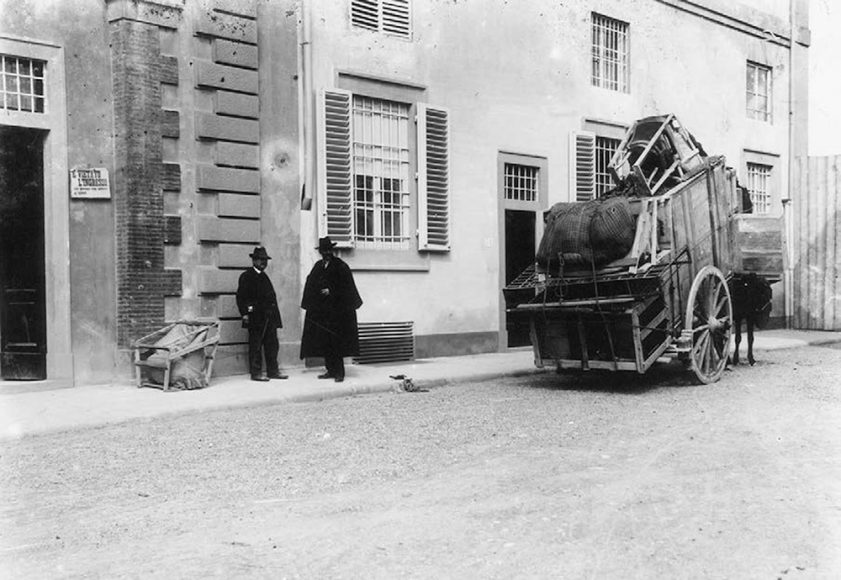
567,232
590,233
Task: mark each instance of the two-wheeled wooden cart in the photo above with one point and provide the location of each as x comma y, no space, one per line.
667,297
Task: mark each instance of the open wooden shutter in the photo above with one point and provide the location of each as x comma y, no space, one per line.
433,179
582,164
335,189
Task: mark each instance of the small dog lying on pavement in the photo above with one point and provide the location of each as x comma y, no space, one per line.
407,384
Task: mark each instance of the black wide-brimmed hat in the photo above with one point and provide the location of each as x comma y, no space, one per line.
325,245
260,253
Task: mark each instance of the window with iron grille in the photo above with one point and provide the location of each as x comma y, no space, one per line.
605,148
759,92
611,50
22,85
759,182
381,172
383,163
521,182
389,16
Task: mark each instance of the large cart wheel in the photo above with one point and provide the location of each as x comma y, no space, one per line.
710,317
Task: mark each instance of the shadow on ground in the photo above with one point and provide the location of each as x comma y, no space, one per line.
661,376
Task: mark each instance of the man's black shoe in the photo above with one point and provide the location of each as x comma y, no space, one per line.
339,379
279,376
261,379
325,376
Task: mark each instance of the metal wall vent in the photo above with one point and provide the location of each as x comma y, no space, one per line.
381,342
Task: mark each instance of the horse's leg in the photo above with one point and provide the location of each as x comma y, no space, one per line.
738,323
750,340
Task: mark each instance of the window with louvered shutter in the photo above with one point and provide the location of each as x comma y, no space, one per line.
389,16
583,165
335,184
433,178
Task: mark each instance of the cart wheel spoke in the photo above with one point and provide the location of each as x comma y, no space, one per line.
721,306
701,344
702,353
716,347
709,350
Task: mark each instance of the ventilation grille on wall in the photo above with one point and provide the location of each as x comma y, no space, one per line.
385,342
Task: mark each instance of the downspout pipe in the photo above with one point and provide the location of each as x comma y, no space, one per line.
788,206
306,120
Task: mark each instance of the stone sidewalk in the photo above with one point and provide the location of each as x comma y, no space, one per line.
31,413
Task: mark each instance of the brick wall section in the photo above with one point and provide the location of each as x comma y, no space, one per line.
169,69
172,230
142,280
171,177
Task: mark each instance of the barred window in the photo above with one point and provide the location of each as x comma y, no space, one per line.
759,92
389,16
605,148
521,182
610,53
381,172
22,85
759,181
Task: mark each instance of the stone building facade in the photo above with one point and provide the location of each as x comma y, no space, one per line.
426,137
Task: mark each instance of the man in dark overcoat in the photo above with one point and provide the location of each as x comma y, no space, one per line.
257,303
331,301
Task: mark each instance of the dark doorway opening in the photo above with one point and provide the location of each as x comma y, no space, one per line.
23,316
519,254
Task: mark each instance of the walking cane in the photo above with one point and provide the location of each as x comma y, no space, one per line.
263,334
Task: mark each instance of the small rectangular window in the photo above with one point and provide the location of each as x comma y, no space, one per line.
758,92
22,84
611,53
521,182
605,148
759,186
389,16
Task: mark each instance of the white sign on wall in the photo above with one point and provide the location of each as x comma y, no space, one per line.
89,183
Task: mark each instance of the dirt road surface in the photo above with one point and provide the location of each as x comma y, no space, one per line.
596,476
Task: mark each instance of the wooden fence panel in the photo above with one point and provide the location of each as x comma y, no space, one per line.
816,246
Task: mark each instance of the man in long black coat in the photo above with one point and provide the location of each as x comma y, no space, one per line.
331,300
257,303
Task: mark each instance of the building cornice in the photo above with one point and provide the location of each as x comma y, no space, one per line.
752,22
163,13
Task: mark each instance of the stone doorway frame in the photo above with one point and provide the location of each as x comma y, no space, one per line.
56,200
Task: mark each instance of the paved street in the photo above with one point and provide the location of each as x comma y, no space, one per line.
596,476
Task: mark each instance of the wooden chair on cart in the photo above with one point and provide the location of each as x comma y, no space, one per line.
178,356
